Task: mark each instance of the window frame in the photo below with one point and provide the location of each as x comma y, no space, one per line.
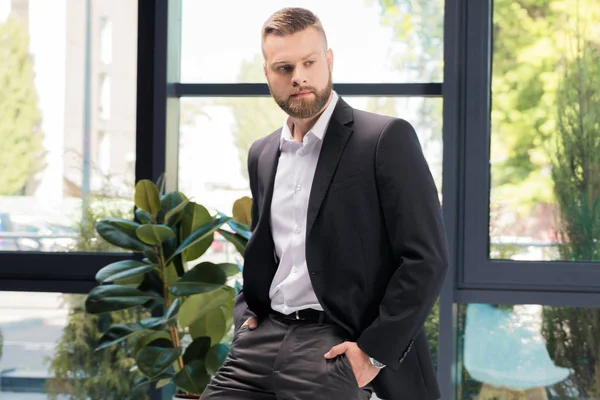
478,271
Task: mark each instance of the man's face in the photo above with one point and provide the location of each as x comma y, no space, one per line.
298,69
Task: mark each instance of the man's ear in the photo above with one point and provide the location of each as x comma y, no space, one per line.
330,59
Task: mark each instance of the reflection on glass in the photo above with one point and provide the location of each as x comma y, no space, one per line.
47,350
529,352
545,131
376,41
53,151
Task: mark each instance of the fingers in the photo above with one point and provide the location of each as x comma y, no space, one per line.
252,323
337,350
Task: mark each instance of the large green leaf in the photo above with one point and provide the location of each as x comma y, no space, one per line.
152,284
230,269
118,333
147,197
154,323
162,382
121,233
238,241
178,263
215,357
172,276
195,216
154,234
170,202
107,298
133,281
174,216
228,314
151,255
240,229
196,350
148,337
142,384
242,210
212,325
205,231
196,306
122,270
169,246
204,277
152,361
192,378
143,216
173,309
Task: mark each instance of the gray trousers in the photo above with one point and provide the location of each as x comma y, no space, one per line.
284,360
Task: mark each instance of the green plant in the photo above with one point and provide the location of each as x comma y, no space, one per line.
572,333
84,374
22,151
191,305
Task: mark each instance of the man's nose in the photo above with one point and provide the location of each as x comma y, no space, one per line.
299,77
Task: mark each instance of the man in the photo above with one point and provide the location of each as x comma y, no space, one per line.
348,251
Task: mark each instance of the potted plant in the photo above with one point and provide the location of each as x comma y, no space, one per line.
185,340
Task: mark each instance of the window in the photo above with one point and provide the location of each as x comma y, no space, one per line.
105,96
47,339
531,218
48,163
106,40
545,146
104,151
529,351
404,41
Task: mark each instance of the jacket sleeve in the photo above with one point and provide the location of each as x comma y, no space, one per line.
241,312
413,219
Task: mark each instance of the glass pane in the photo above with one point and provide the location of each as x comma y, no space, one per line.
67,137
46,339
545,131
216,134
528,352
376,41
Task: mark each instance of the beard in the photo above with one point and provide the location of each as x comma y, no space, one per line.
305,107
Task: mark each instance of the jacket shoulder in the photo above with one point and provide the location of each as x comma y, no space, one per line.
373,124
259,144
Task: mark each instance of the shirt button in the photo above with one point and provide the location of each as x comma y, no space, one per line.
301,152
298,188
297,231
294,270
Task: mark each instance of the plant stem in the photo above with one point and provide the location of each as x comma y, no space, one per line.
172,330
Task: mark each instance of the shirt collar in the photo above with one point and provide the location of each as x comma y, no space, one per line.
318,129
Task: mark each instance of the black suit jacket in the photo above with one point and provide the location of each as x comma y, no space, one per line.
375,243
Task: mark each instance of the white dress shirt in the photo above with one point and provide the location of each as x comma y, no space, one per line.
291,289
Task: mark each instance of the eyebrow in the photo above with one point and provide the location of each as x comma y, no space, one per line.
287,62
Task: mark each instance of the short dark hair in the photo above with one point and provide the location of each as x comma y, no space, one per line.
288,21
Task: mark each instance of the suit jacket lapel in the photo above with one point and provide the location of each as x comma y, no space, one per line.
334,142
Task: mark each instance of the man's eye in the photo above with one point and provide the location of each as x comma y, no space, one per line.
284,68
310,62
